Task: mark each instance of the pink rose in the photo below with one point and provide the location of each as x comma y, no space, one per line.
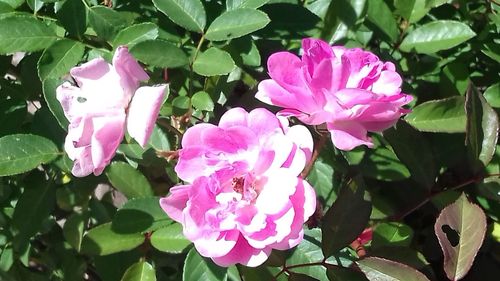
107,98
350,90
244,196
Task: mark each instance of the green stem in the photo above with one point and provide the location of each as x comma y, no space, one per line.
432,195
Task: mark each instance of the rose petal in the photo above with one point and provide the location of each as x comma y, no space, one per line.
348,135
143,111
108,133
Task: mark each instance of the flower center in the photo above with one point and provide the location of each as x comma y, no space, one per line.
245,185
238,184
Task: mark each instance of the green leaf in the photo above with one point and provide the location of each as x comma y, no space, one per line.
439,116
198,268
128,180
49,86
21,153
170,239
321,178
436,3
140,271
159,139
381,16
460,229
244,51
5,8
6,258
300,277
202,101
236,23
57,59
412,10
106,22
436,36
181,105
339,16
73,230
34,206
135,34
414,151
381,269
482,128
404,254
383,164
159,53
492,95
235,4
213,62
337,273
103,240
189,14
24,34
13,3
392,234
73,17
140,215
308,251
346,219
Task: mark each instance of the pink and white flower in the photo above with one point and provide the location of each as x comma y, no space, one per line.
350,90
105,100
244,196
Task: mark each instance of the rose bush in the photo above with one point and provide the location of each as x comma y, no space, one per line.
248,140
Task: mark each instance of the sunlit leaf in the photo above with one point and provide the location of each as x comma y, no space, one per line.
460,229
20,33
135,34
57,59
170,239
213,62
197,268
102,240
235,4
377,269
189,14
436,36
444,116
140,271
381,16
105,21
128,180
21,153
159,53
140,215
236,23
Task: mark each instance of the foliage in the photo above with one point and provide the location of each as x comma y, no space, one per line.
429,188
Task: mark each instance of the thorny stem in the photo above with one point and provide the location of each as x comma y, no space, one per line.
433,194
318,146
287,268
164,123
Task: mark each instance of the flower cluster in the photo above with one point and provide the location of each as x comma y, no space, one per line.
105,100
350,90
244,196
